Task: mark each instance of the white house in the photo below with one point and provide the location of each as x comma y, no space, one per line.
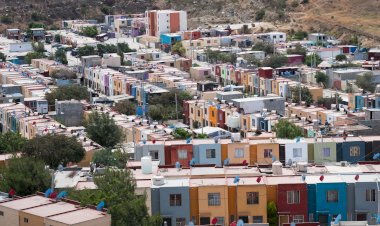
275,37
295,152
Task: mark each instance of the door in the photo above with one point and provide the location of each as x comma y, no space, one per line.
323,219
167,221
204,220
361,217
283,219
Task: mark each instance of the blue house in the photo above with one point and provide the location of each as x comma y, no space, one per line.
327,197
172,201
351,150
207,153
360,102
156,151
170,39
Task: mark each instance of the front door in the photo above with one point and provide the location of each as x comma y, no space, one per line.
323,219
283,219
361,217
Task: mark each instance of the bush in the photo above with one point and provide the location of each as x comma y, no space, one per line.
260,15
90,31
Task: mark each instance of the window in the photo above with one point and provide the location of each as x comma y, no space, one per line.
293,197
175,200
267,153
191,110
298,218
205,111
257,219
199,113
182,154
297,152
244,218
1,213
214,199
180,222
326,152
26,220
205,73
354,151
210,153
239,153
204,220
252,198
311,217
154,154
370,195
332,196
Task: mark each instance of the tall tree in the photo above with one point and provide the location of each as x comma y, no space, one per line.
86,51
102,129
321,77
305,95
69,92
110,157
91,31
126,107
11,142
313,60
25,175
272,214
117,189
288,130
366,82
54,149
60,56
178,49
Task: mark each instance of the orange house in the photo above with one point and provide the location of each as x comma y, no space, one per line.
213,113
212,199
238,152
266,149
250,200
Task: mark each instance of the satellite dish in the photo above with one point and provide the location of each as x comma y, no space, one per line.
236,179
290,162
178,165
303,177
376,156
188,140
226,162
192,162
216,140
337,219
292,224
191,224
240,222
273,158
60,168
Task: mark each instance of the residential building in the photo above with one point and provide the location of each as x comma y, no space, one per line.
165,21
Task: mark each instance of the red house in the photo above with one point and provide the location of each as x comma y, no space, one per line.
266,72
191,35
221,120
291,199
295,59
217,70
178,151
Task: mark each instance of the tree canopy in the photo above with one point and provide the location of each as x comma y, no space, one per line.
91,31
33,55
86,51
11,142
54,149
60,56
178,49
313,60
298,50
305,95
287,130
322,78
267,47
216,56
366,82
275,61
110,157
126,107
69,92
181,133
126,208
162,107
25,175
341,57
272,214
63,74
102,129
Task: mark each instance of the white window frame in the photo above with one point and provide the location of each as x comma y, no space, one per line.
354,151
239,152
324,152
298,218
182,154
293,197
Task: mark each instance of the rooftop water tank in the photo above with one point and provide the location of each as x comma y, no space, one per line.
158,180
146,165
277,168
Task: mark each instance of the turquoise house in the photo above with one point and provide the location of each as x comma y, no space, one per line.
327,198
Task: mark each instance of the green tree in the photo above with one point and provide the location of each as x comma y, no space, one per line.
251,60
156,112
328,101
102,129
63,74
25,175
288,130
2,57
218,56
244,29
298,50
260,15
57,38
124,47
313,60
181,133
33,55
300,35
126,107
69,92
275,61
341,57
177,48
366,82
305,95
60,56
11,142
91,31
107,48
202,136
267,47
117,189
110,157
54,149
86,51
321,77
272,214
39,47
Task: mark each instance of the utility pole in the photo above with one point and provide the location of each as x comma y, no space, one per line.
299,86
176,105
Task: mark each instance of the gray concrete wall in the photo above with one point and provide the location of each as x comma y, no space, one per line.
361,205
144,150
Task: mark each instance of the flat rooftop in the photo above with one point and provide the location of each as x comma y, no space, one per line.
52,209
26,203
78,216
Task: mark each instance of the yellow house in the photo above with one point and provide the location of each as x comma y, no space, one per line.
266,149
251,200
212,200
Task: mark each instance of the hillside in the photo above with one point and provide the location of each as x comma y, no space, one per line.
338,17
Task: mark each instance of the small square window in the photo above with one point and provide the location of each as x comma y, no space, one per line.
267,153
26,220
1,213
239,153
210,153
182,154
